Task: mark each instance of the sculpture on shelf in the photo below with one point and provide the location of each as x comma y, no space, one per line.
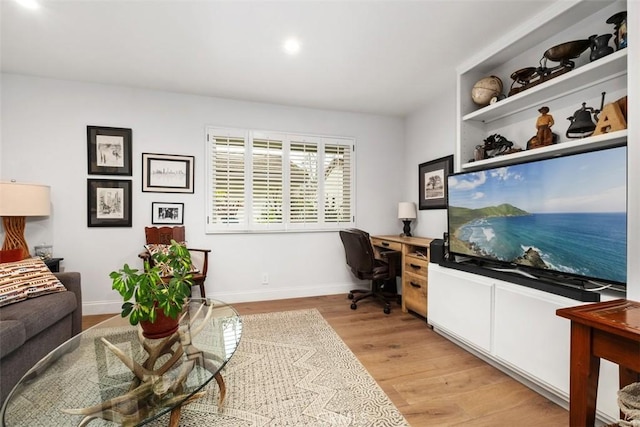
494,145
543,124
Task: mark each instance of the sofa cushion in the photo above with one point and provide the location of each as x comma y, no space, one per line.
38,314
12,336
24,279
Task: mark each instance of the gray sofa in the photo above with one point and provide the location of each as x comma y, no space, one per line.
30,329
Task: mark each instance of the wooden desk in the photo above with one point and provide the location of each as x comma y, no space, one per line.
415,259
609,330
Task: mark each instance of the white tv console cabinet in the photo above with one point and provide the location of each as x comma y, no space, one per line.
514,328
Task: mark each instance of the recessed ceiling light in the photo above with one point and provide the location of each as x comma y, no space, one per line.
292,46
29,4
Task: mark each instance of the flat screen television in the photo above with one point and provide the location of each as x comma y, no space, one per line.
562,218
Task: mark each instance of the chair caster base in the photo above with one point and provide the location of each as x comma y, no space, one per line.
353,306
387,310
350,296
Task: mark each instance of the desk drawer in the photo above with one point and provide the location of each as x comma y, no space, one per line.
416,266
414,293
381,243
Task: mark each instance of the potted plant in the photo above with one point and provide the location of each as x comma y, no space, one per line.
157,301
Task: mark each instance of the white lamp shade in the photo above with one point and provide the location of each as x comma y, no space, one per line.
17,199
406,210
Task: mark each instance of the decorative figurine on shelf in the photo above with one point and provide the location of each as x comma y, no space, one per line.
544,136
494,145
543,124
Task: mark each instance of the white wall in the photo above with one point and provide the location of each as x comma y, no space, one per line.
430,134
44,141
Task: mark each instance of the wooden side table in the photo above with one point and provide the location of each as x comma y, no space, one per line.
608,330
53,264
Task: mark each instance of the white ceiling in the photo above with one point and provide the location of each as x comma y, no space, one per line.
384,57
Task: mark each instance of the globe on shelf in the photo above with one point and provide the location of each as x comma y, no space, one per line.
485,89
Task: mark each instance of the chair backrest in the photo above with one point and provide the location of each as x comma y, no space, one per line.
163,235
358,251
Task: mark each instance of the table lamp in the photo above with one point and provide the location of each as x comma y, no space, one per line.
18,201
406,212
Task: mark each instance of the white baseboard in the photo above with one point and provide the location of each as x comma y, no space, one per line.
107,307
282,293
101,307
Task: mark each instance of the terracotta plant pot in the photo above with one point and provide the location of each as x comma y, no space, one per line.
162,327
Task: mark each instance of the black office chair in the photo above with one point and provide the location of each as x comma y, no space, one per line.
361,259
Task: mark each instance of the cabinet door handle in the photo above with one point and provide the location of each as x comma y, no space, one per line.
415,285
385,244
417,267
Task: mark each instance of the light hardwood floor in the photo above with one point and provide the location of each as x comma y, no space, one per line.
432,381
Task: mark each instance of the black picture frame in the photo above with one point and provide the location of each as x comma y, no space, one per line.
167,213
109,151
432,183
167,173
108,203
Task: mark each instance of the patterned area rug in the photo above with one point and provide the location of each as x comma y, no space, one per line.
292,369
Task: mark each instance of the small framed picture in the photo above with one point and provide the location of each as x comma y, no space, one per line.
167,213
108,203
167,173
108,151
432,183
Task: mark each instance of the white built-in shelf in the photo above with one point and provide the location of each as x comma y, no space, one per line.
591,74
606,140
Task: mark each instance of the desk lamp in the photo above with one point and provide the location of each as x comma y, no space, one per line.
18,201
406,212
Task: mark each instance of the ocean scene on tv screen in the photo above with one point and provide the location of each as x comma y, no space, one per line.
566,214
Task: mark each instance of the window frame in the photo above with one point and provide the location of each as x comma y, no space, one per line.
248,223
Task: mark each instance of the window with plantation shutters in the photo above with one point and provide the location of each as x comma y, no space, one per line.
268,181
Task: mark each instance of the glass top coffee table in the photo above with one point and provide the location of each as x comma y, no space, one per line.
111,373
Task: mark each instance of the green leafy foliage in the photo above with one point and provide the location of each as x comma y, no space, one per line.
148,289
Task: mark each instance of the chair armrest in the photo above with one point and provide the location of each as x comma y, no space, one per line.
205,264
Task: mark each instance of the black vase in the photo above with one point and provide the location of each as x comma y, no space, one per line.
600,46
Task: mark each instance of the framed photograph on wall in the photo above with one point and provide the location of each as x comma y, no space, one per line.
108,151
432,183
108,203
167,173
167,213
